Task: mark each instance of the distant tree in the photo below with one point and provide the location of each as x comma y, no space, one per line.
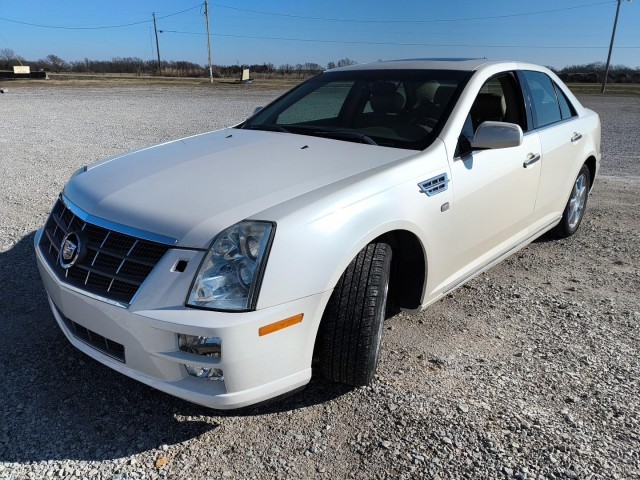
6,56
312,67
591,73
591,77
594,72
346,62
622,78
57,64
8,59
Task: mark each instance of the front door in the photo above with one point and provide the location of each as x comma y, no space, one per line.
494,190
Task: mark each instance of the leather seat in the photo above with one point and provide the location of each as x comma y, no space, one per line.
433,110
385,99
488,106
443,95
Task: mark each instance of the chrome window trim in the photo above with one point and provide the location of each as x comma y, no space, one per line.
117,227
564,120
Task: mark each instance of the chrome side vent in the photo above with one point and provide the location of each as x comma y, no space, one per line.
434,185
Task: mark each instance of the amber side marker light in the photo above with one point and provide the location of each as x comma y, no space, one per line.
274,327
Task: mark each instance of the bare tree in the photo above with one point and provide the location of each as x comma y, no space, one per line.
6,56
346,62
57,63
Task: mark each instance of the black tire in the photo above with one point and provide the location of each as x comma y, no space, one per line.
576,205
348,343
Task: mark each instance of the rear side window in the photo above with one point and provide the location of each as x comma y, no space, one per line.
546,109
566,109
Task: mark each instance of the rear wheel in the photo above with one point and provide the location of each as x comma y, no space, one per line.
348,344
576,206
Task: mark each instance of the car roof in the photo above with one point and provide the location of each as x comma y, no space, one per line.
462,64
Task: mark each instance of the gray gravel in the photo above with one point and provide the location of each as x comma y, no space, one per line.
620,132
529,371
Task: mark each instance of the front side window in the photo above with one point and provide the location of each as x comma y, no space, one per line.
546,109
392,108
499,100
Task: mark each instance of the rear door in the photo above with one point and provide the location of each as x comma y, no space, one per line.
558,126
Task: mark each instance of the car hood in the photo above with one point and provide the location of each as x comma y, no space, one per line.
193,188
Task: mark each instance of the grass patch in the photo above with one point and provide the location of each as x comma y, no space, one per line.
625,89
125,80
131,80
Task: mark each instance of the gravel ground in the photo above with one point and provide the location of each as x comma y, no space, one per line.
529,371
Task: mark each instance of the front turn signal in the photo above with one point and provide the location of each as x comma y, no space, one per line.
274,327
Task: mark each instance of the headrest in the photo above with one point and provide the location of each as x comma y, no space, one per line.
488,106
425,92
443,94
385,98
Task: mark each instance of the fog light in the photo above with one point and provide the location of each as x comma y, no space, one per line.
205,372
207,347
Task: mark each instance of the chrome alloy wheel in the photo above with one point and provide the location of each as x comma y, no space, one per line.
577,201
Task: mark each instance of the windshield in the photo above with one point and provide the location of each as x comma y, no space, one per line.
393,108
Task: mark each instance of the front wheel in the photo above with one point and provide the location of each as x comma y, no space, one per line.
576,206
348,344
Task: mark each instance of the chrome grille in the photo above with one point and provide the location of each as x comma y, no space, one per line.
115,264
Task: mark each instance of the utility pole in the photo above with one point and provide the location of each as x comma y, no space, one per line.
206,19
613,36
155,27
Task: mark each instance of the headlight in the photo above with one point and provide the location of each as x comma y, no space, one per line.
229,277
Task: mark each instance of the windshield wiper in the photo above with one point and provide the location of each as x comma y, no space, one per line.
269,127
346,135
310,130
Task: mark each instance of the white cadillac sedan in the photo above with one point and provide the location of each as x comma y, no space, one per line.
224,268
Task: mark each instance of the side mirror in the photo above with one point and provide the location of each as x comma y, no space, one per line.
256,110
497,135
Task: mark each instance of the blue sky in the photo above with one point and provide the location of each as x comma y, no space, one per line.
361,30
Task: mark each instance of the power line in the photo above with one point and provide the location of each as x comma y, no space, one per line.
12,50
441,20
60,27
302,17
406,44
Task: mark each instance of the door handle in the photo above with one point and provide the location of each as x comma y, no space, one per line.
576,136
531,159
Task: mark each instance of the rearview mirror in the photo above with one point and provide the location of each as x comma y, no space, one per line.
497,135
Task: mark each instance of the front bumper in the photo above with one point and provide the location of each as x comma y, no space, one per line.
255,367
